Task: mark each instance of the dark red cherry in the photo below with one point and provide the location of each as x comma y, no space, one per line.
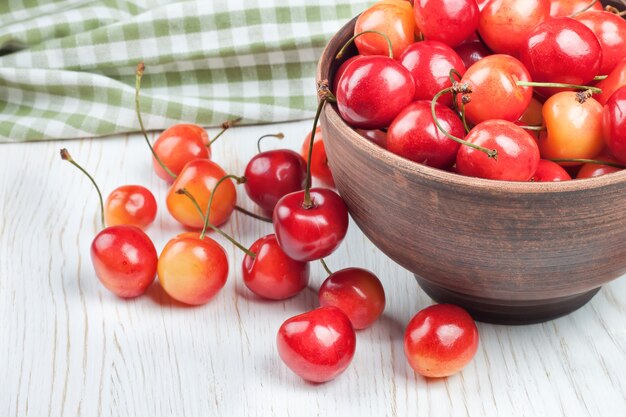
548,171
472,52
614,114
610,29
377,136
447,21
372,91
591,170
413,135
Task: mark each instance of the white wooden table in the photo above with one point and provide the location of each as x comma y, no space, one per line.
70,348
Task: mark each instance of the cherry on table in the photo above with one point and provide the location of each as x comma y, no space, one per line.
614,123
318,161
447,21
178,145
318,345
130,204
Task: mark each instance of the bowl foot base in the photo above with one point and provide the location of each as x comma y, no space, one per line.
508,312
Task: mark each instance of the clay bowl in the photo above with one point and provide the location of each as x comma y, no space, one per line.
508,252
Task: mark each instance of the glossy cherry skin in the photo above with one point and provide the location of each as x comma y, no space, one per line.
472,52
125,260
614,122
548,171
319,161
430,63
615,80
413,135
532,116
505,24
574,130
379,137
561,50
307,234
447,21
130,204
495,94
357,292
192,270
394,18
271,273
341,70
565,8
318,345
610,29
179,145
597,170
372,91
518,155
272,174
199,177
440,340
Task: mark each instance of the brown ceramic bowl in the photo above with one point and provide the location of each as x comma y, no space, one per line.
507,252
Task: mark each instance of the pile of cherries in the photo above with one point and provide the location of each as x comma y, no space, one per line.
309,224
517,90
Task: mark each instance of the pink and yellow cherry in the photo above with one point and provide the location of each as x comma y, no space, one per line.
532,116
548,171
561,50
440,340
505,24
518,154
615,80
394,18
430,63
178,145
447,21
414,135
130,204
614,123
319,161
192,269
272,174
318,345
496,93
567,8
574,129
610,30
270,273
200,177
357,292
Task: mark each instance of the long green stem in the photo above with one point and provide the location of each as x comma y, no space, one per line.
65,155
208,209
589,161
278,136
308,203
253,215
225,126
138,76
215,228
463,119
594,90
349,42
326,268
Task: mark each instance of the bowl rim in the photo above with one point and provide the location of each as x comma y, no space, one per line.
445,177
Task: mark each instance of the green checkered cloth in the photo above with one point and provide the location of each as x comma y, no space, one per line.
67,67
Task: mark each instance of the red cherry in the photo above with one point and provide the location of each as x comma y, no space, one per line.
610,30
472,52
565,8
130,204
341,70
372,91
430,63
178,145
318,345
615,80
125,260
505,24
272,174
614,115
440,340
561,50
548,171
319,160
357,292
495,93
591,170
447,21
413,135
192,270
518,154
310,233
379,137
271,273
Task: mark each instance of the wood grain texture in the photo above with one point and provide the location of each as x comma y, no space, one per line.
70,348
509,252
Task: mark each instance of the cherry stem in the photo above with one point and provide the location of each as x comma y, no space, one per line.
65,155
594,90
467,129
533,128
326,268
451,75
139,74
212,226
584,9
600,77
253,215
240,180
345,46
491,153
225,126
590,161
278,136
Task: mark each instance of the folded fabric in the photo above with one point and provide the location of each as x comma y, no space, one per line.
67,68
